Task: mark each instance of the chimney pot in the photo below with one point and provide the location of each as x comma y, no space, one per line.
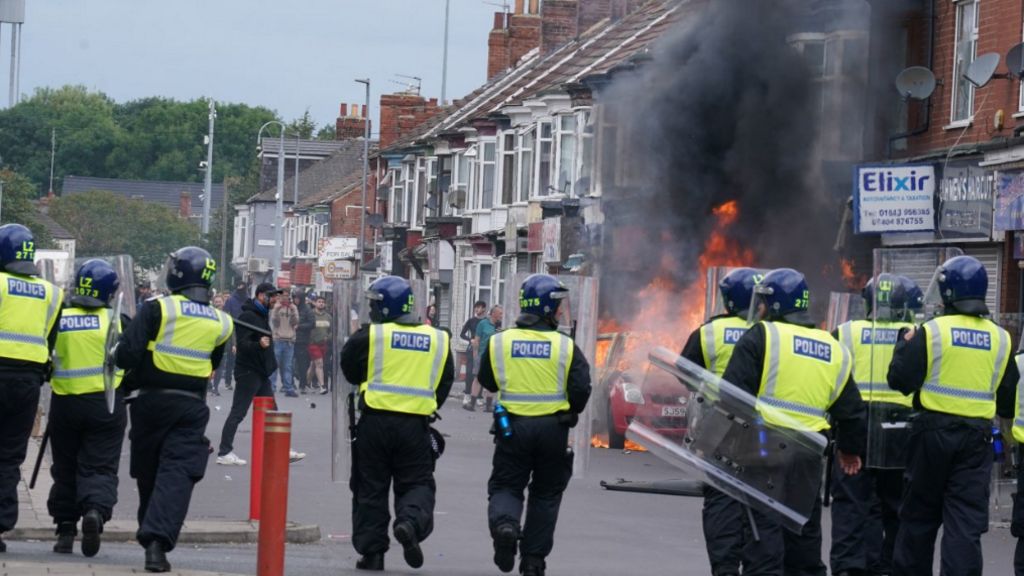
344,110
519,6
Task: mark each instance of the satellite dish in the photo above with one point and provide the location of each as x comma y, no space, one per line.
916,82
981,70
1015,60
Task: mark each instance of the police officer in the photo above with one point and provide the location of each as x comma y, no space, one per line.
172,346
799,374
85,436
957,366
1017,520
29,312
543,382
865,506
405,371
711,346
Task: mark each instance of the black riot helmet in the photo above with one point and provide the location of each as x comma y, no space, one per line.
190,272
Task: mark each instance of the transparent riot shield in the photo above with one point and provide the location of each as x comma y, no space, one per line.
891,310
577,319
714,305
111,373
351,310
124,266
844,307
773,468
47,270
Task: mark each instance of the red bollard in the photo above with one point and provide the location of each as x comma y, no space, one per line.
278,439
260,406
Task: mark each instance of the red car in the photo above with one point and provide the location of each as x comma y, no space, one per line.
653,397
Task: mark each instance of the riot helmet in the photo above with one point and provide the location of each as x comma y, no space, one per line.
784,293
190,272
737,288
907,299
963,283
540,296
17,250
883,290
390,298
96,282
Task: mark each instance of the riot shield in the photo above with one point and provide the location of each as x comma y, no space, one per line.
577,318
713,303
888,410
728,444
351,310
124,266
844,307
110,370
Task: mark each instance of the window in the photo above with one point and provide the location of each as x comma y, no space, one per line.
432,200
487,174
566,143
397,197
483,284
508,167
460,180
420,197
241,236
504,272
964,51
525,185
545,146
582,186
409,189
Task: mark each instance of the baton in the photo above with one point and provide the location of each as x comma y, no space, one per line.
39,458
826,500
253,327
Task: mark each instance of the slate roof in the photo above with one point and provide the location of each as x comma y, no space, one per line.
334,190
155,191
322,148
325,172
597,51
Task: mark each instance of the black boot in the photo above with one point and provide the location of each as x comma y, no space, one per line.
531,566
3,547
92,527
156,558
373,562
505,538
489,404
405,533
66,532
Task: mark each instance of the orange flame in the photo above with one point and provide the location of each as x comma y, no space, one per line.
851,279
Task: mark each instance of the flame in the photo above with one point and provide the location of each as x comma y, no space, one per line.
851,279
599,440
630,445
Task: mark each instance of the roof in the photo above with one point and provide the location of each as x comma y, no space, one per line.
597,51
154,191
56,231
323,148
334,190
320,175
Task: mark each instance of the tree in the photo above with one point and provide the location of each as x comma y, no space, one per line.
104,223
303,126
327,132
17,205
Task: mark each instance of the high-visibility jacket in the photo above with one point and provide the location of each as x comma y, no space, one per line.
718,338
188,333
804,372
404,368
1018,413
872,345
531,368
967,358
80,351
28,311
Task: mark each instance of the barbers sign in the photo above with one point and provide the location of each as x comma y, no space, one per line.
894,198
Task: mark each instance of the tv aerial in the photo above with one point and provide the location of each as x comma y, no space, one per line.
412,83
916,82
983,69
1015,61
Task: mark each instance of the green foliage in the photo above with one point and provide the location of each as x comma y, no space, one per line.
106,223
303,126
17,205
327,132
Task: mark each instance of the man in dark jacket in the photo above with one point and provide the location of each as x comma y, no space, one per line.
303,332
233,306
254,364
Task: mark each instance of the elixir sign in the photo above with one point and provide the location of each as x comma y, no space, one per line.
896,198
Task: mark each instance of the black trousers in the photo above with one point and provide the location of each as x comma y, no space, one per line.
535,456
391,451
19,398
470,370
723,518
85,441
1017,525
946,484
247,386
781,552
865,519
168,457
301,365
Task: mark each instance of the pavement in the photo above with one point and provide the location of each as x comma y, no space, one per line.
90,569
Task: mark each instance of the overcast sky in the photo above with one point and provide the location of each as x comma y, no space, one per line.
285,55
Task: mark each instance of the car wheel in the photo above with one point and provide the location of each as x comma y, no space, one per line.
616,441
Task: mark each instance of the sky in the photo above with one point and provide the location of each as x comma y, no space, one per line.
287,55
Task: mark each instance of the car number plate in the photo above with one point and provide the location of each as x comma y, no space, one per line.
673,411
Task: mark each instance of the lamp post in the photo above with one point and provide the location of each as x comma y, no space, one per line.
366,169
279,214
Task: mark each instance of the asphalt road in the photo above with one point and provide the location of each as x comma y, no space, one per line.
599,532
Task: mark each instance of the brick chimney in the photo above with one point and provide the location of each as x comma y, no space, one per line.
185,205
401,113
350,125
513,36
564,20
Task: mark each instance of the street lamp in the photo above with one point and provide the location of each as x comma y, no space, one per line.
366,168
279,215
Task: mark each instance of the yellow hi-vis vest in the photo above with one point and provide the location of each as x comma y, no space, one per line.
28,310
967,358
805,371
531,367
188,333
79,353
718,338
872,346
404,368
1018,413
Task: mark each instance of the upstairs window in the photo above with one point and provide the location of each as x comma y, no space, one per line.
545,146
964,50
525,185
508,167
487,174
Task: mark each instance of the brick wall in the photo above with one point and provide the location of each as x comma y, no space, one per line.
345,213
350,125
558,23
999,29
511,39
401,113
